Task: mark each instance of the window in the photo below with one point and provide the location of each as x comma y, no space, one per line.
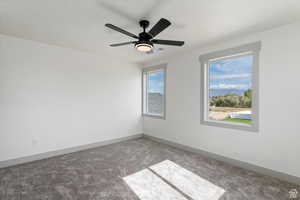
154,84
229,90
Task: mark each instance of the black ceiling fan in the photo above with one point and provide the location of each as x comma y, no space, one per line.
145,39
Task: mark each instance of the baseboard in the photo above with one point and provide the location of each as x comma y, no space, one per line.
17,161
248,166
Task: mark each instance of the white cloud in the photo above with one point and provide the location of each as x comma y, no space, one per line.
231,76
229,86
156,86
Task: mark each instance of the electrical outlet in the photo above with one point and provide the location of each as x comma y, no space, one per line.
34,143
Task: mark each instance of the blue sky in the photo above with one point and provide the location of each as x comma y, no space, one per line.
228,74
234,73
156,82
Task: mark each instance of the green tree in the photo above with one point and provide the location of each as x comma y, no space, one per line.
232,100
248,93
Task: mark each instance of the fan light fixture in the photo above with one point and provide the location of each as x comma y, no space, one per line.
144,47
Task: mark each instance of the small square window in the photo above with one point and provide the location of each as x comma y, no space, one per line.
154,84
230,88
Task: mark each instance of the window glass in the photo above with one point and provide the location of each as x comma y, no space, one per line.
230,89
155,93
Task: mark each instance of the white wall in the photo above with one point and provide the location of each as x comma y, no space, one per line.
53,98
277,144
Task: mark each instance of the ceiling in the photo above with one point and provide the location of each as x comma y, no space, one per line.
79,24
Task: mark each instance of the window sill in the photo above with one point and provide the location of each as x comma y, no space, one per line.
230,125
154,116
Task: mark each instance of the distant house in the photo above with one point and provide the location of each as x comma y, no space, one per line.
156,104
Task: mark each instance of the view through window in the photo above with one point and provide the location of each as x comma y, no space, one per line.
154,94
230,89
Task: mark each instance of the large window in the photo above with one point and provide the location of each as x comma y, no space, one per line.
230,87
154,84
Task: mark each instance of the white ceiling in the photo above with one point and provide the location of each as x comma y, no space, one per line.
79,24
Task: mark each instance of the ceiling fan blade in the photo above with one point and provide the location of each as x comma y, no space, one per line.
121,30
121,44
161,25
168,42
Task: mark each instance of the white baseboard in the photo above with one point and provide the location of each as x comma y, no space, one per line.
22,160
248,166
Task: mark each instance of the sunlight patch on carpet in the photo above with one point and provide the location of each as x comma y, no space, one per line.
186,181
147,186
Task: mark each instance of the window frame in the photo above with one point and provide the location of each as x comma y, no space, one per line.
145,71
246,49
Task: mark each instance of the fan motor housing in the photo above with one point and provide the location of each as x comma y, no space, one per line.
144,36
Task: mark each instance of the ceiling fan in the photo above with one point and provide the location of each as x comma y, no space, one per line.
145,41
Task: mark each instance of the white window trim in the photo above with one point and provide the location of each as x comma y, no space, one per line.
253,49
161,67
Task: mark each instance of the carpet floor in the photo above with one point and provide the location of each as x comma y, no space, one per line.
99,174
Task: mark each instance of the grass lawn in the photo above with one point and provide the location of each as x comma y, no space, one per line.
246,121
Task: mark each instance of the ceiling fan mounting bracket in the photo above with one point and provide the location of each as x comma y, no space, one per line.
144,24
